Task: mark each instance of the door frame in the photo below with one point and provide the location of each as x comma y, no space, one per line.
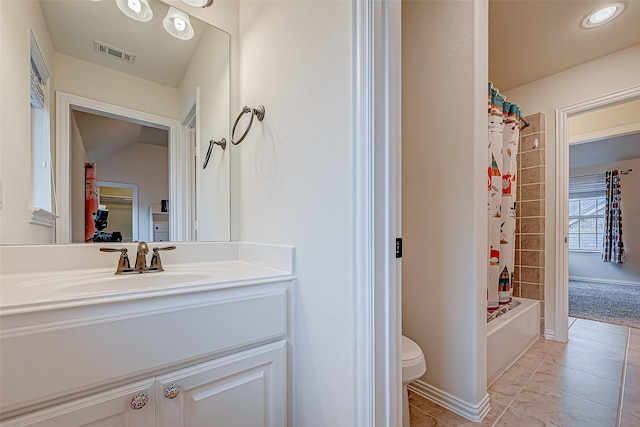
135,219
376,212
65,104
560,332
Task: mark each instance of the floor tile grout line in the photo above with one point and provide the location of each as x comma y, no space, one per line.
432,416
590,327
521,388
504,411
623,379
594,354
578,396
583,322
602,342
585,371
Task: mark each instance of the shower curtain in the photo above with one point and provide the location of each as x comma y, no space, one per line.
503,137
613,249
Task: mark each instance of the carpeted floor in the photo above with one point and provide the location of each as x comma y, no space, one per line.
606,302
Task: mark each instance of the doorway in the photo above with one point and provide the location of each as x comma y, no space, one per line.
563,117
177,169
121,201
127,155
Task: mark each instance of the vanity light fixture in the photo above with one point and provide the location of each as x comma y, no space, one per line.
136,9
177,24
603,15
199,3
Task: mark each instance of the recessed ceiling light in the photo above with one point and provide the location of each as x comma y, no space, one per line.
603,15
177,24
136,9
199,3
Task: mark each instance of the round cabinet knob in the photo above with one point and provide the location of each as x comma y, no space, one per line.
172,391
139,400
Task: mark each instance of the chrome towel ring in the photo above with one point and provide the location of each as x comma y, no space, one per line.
258,112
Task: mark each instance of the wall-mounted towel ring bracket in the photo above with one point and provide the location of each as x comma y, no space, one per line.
222,143
258,112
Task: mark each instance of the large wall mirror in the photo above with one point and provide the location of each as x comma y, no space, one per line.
136,106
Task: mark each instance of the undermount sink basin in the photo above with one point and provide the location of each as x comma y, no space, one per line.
23,292
131,282
67,285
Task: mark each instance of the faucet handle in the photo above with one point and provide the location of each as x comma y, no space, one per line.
123,263
156,263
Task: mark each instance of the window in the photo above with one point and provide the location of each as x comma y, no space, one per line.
586,212
586,223
42,191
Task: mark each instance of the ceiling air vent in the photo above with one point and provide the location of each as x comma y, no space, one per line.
113,52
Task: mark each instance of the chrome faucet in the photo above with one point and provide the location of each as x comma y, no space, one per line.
124,266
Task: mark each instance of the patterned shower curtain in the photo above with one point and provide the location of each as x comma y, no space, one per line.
90,201
504,135
613,248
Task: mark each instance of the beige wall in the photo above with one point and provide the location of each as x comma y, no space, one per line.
618,119
444,220
92,81
293,184
17,18
606,75
153,183
210,74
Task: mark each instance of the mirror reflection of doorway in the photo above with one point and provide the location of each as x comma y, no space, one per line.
126,152
121,200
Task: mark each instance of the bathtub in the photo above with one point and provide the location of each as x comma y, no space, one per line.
510,335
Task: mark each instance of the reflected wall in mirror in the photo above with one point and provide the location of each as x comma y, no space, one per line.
184,84
114,147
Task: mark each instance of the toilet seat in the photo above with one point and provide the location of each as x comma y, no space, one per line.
413,362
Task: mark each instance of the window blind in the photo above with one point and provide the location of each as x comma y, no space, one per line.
39,75
37,87
581,187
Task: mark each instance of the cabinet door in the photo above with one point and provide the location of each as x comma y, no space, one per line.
246,389
107,409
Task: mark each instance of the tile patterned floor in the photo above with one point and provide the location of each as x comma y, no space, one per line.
591,381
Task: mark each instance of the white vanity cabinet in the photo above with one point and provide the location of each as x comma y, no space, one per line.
246,389
243,390
107,409
223,342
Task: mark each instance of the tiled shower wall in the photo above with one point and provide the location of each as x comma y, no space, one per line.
529,265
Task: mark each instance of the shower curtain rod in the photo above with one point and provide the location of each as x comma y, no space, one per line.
525,125
623,172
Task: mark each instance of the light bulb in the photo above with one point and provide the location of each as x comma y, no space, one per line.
134,5
179,24
602,15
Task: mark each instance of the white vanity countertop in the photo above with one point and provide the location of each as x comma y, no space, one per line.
54,289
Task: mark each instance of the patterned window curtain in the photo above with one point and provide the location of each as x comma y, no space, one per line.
613,249
503,139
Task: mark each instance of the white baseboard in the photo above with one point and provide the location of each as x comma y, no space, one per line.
550,334
600,280
471,412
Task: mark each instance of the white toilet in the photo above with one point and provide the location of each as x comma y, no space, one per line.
413,367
